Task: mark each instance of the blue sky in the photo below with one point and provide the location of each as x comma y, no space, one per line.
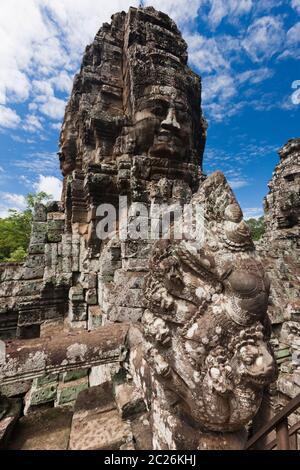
247,52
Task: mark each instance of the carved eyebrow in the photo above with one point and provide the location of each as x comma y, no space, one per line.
156,101
181,106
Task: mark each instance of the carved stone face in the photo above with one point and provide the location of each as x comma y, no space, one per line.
288,209
162,123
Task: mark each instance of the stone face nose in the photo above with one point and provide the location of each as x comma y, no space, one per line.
170,122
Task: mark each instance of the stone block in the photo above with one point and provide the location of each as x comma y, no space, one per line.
104,431
95,317
43,430
281,353
40,213
296,357
129,401
76,294
34,261
129,297
100,374
9,421
132,264
97,424
39,227
286,385
124,314
36,249
16,389
40,396
136,249
38,238
92,297
33,273
108,267
53,216
45,380
68,392
74,375
56,225
77,311
132,280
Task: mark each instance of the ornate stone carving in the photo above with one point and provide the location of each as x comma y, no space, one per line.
206,358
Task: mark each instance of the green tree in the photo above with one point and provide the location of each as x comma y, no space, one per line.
15,230
257,227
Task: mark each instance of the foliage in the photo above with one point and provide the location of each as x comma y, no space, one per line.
16,228
257,227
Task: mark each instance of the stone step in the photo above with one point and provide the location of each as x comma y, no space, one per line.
43,430
97,424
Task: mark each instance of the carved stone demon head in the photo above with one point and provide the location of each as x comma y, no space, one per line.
206,325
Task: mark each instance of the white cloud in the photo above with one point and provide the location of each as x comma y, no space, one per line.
218,87
45,101
227,8
56,126
63,82
8,118
50,185
11,201
180,10
39,38
255,76
296,5
54,108
253,212
264,38
33,162
238,183
293,34
292,50
205,53
32,123
218,91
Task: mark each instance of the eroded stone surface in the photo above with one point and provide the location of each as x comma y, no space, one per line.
97,424
204,353
280,252
44,430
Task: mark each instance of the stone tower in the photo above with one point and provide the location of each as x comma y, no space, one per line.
280,253
133,127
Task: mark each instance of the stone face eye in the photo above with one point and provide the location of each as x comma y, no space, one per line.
159,110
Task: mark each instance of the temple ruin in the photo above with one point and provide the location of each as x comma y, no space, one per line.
159,344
